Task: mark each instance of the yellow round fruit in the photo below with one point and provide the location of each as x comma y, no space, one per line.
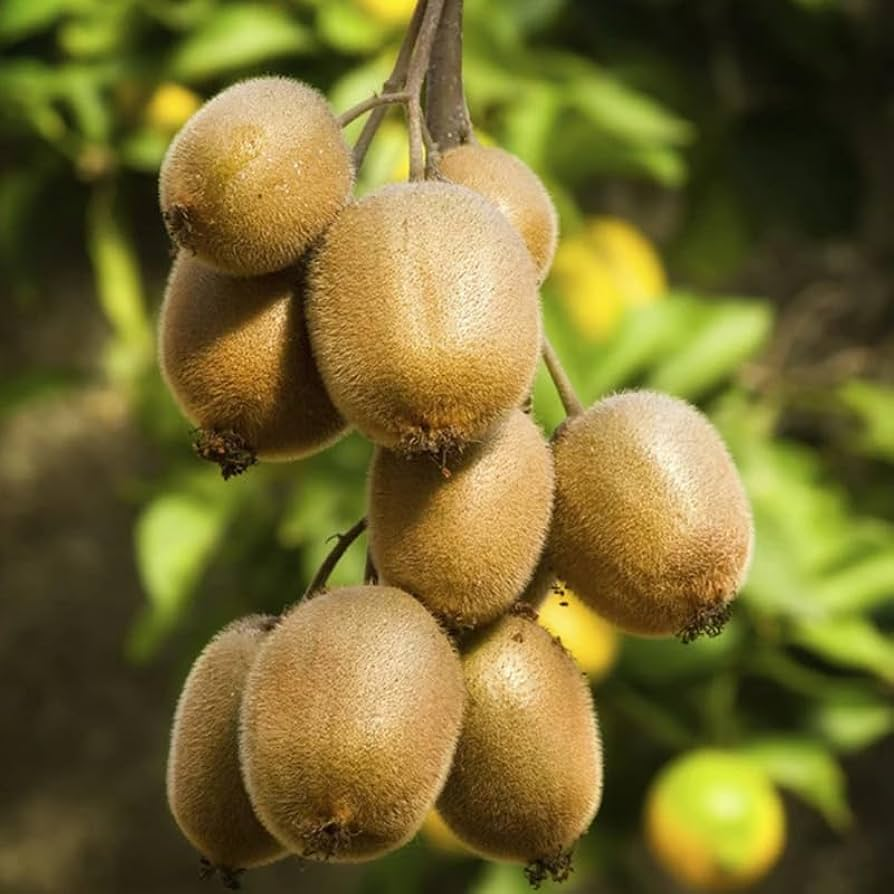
440,837
170,106
631,257
389,12
588,291
592,642
601,271
715,821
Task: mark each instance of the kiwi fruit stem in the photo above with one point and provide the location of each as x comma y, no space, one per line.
447,114
372,102
343,541
396,81
557,373
409,73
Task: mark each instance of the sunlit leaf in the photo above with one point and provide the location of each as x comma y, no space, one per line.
850,641
21,18
175,537
345,27
874,406
733,333
806,768
853,721
236,36
118,281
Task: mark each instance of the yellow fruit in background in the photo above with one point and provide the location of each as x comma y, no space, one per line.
440,837
587,289
714,820
593,642
390,12
170,106
604,269
631,257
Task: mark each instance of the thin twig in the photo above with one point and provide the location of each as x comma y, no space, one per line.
380,99
395,82
329,563
570,400
416,72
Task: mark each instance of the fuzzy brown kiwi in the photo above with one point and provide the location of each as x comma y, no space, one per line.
349,722
514,188
651,524
236,357
205,791
526,781
424,316
464,545
255,176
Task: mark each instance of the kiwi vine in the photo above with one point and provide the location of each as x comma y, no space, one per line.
268,345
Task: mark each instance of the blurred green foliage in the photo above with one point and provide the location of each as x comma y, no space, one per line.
588,94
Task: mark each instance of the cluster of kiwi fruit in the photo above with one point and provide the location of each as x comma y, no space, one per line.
293,312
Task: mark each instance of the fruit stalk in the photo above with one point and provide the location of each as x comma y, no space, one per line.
446,112
419,62
373,102
396,80
341,547
569,397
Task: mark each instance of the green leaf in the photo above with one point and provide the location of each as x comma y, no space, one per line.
853,721
860,587
874,406
667,661
733,333
118,281
348,29
176,535
614,107
849,641
806,768
646,336
238,35
21,18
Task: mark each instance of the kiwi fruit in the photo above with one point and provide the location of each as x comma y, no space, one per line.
526,780
464,545
651,525
349,723
236,357
255,176
204,784
424,316
514,188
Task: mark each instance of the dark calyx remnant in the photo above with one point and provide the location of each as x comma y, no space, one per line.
327,840
178,222
708,620
226,448
524,610
558,868
229,877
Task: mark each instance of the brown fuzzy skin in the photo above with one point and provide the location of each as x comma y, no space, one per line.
205,790
514,188
255,176
424,316
526,781
651,524
349,723
464,545
236,357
